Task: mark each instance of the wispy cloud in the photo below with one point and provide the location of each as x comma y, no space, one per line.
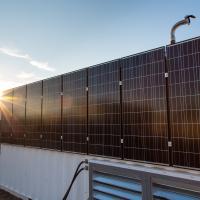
14,53
41,65
33,62
25,75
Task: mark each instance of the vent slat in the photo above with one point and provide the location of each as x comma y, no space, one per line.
117,192
118,181
102,196
170,193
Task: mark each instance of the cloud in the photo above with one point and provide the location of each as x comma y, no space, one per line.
33,62
14,53
25,75
41,65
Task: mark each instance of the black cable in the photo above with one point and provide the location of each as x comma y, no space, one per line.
82,162
74,178
77,172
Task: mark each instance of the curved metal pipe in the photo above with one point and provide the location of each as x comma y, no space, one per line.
185,21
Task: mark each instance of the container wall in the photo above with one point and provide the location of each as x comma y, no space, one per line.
41,174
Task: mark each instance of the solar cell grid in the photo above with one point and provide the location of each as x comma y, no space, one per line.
184,98
75,111
33,114
144,107
18,120
104,110
6,116
51,113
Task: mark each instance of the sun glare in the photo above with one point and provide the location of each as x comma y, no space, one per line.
1,95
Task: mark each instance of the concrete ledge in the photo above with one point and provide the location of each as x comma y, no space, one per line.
14,193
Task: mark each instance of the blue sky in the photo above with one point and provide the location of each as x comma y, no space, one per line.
40,39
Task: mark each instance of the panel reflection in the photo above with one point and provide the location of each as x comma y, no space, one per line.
184,91
144,107
104,110
51,113
6,116
75,111
18,119
33,114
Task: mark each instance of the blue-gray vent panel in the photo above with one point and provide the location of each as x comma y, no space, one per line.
108,186
163,192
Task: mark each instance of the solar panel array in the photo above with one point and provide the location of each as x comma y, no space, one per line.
75,111
142,107
184,97
6,116
18,118
104,110
33,114
51,113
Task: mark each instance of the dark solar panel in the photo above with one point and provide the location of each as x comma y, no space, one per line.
184,98
6,116
144,107
104,110
51,113
33,114
75,111
18,121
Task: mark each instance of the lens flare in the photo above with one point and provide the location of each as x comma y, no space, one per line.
1,95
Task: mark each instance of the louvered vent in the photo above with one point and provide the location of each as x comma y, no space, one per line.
113,180
166,192
112,187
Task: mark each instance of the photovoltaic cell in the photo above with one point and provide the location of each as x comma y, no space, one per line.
18,120
33,114
104,110
6,116
51,113
184,99
75,111
144,107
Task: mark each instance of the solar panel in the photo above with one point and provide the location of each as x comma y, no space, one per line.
51,113
144,107
33,114
18,120
6,116
104,110
75,111
184,99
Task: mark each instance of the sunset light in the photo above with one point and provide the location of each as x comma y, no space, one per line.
100,100
1,94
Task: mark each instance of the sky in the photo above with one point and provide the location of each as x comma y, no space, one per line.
41,39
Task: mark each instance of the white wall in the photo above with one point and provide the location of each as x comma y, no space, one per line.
41,174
